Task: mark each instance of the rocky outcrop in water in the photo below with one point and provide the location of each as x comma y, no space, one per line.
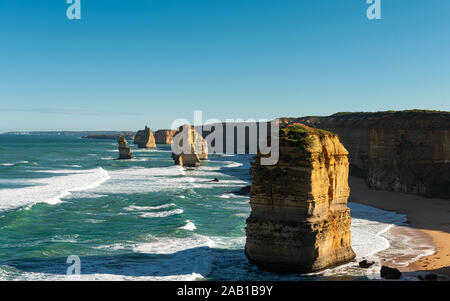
145,139
164,136
189,147
406,151
124,150
300,221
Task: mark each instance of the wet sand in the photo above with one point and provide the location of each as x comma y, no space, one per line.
430,216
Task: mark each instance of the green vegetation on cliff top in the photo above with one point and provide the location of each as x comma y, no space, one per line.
378,113
299,134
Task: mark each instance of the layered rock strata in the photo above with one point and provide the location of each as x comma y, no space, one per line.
406,151
300,221
145,139
195,149
124,150
164,136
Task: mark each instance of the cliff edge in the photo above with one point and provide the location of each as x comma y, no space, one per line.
403,151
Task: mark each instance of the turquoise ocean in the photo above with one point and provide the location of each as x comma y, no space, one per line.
141,219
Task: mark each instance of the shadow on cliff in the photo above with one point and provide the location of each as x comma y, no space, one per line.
421,213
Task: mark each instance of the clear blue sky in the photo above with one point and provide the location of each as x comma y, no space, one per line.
130,63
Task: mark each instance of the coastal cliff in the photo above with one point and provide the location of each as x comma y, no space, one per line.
189,154
129,136
145,139
124,150
405,151
164,136
300,221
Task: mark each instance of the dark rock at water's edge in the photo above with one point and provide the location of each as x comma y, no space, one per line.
366,264
124,150
390,273
145,139
431,277
243,191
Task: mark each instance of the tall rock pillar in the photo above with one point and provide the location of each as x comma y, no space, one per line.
124,150
145,138
189,147
300,221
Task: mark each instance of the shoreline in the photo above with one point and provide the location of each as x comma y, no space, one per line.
428,219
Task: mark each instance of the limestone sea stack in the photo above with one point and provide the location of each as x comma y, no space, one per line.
300,221
124,150
145,139
189,154
164,136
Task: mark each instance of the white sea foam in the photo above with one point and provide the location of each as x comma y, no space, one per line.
13,164
233,164
168,245
190,226
372,239
52,189
179,260
368,225
65,238
161,213
144,208
144,180
95,221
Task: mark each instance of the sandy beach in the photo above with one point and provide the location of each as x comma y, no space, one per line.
430,216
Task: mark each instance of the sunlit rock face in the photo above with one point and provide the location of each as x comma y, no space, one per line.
124,150
195,150
164,136
300,221
145,139
404,151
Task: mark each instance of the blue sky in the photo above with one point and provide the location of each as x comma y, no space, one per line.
130,63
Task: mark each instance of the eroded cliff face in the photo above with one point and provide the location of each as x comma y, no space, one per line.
189,154
300,221
164,136
145,139
405,151
124,150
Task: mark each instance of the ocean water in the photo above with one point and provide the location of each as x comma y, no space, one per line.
140,219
